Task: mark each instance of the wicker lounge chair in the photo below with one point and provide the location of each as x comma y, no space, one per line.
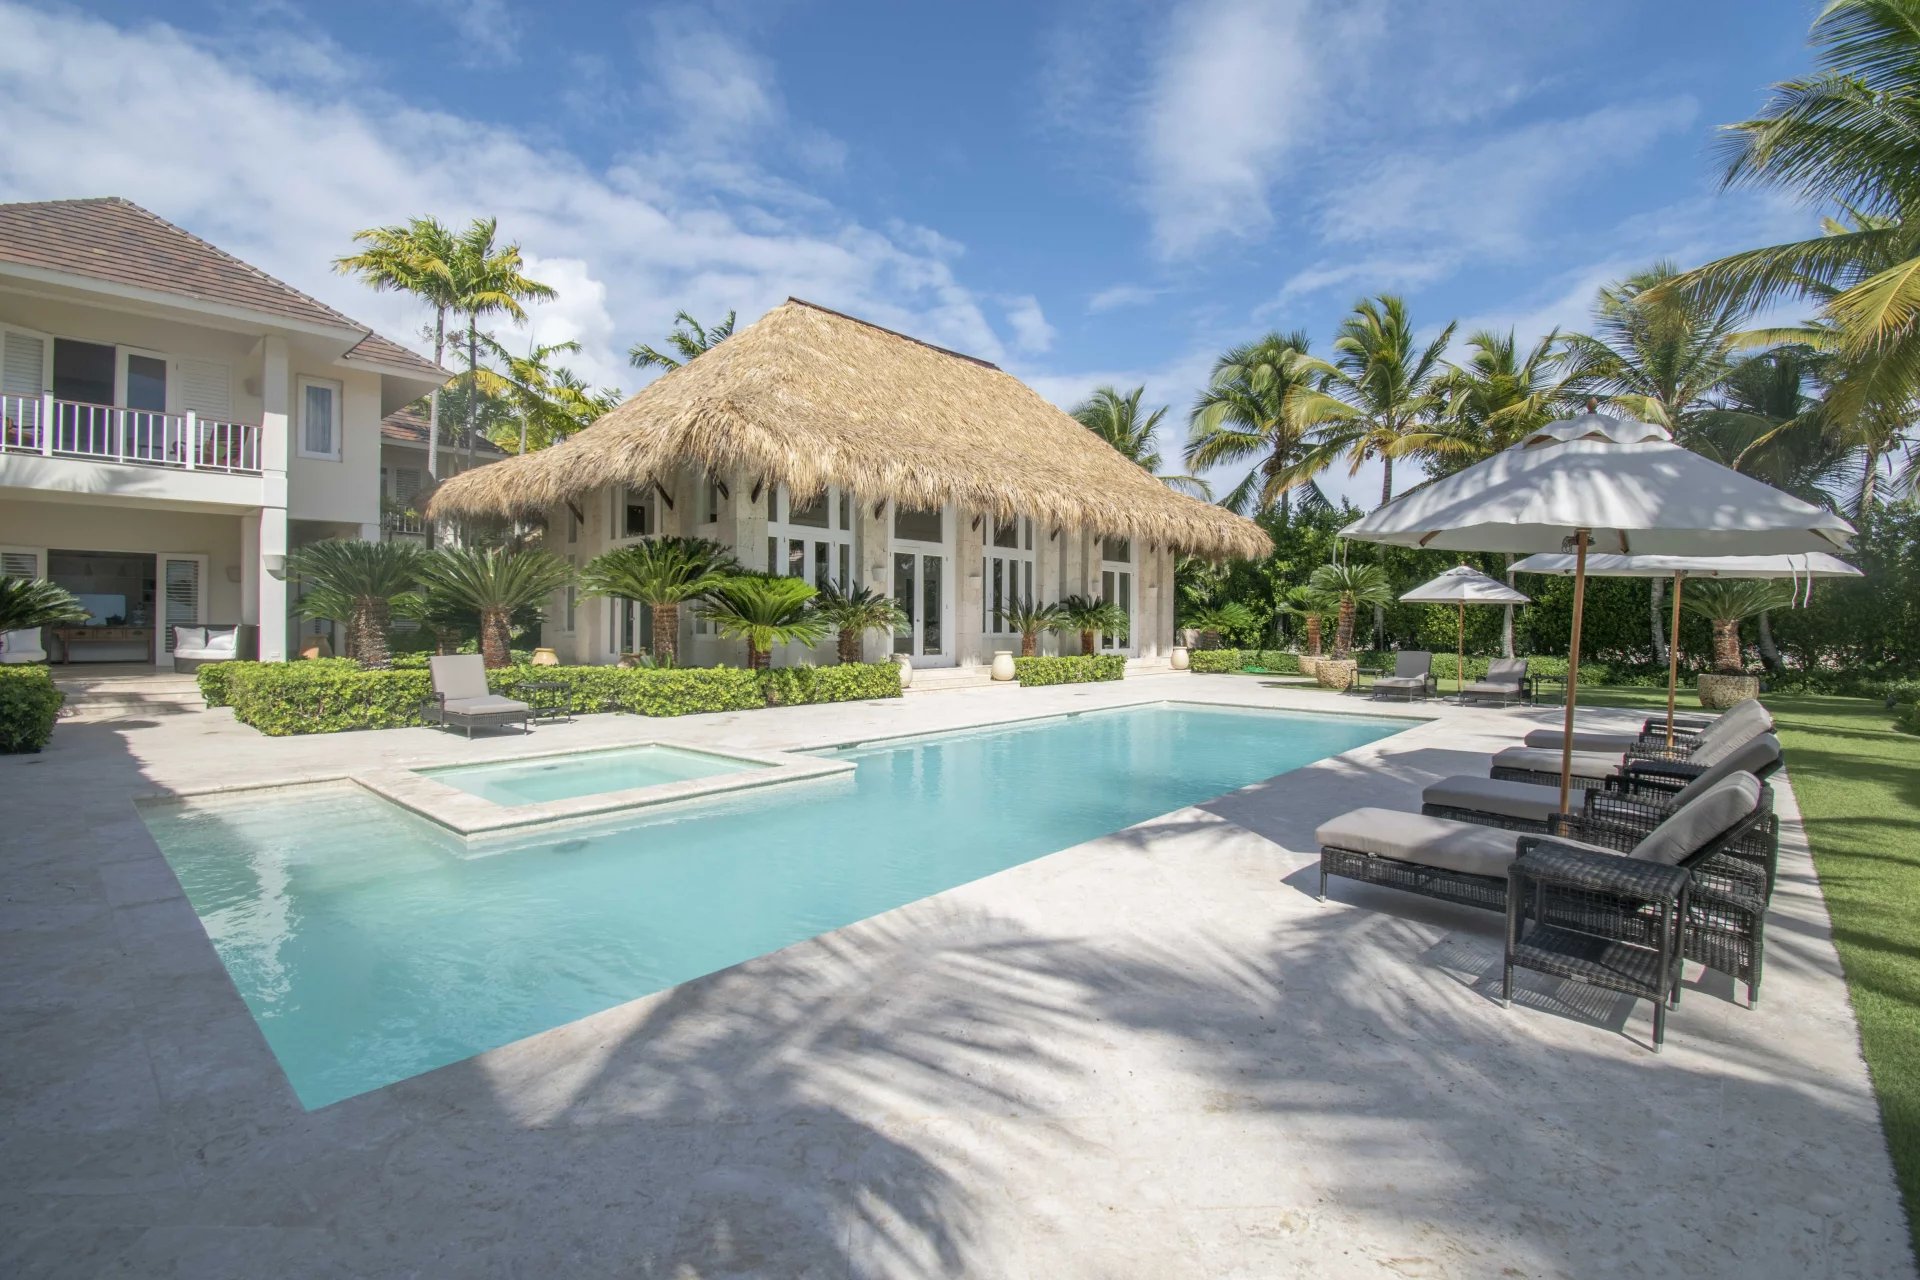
1412,676
461,700
1653,734
1644,761
1506,680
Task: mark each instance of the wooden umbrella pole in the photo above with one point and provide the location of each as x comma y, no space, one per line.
1673,653
1460,670
1573,663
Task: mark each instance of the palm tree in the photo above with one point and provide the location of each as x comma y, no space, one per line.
27,604
550,401
854,610
1030,619
1260,403
688,337
1346,588
1116,419
662,573
1307,605
1087,616
1231,618
487,280
434,609
1726,602
356,582
413,257
765,610
493,583
1387,390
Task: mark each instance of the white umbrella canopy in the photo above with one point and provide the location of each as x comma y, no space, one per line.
1800,568
1607,482
1463,585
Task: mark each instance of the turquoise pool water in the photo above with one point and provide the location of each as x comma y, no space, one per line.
585,773
371,945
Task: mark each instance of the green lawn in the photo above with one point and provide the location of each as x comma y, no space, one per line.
1858,782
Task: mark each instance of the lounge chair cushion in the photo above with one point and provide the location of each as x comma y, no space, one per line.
1584,740
1412,664
1714,749
1740,722
1466,847
462,675
1753,756
1494,686
1586,764
490,704
1700,820
1414,683
1529,801
1508,671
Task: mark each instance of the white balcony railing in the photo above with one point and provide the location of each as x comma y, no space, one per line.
113,433
406,521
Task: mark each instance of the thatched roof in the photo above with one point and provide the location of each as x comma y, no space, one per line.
807,397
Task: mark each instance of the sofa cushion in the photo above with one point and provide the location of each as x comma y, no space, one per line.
1586,764
1700,820
1401,682
459,675
222,641
189,638
1529,801
1583,740
487,704
1412,664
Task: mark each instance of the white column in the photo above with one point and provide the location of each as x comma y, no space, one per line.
370,532
276,395
969,545
272,590
250,567
874,566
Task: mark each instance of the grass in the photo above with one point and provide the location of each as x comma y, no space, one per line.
1857,779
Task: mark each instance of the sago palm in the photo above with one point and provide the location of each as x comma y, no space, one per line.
27,604
1260,403
1307,605
1030,619
1089,616
663,574
1347,588
1726,603
765,610
492,583
360,579
1117,419
854,610
1231,619
415,257
689,337
1387,393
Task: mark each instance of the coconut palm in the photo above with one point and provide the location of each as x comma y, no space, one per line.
1347,588
765,610
663,574
1088,616
356,582
1726,603
414,257
1231,618
1495,399
854,610
1260,403
1116,419
1307,605
1387,391
494,582
27,604
488,280
1030,619
688,337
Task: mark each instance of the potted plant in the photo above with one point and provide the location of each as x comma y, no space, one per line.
852,611
1726,603
1232,620
1348,588
1088,617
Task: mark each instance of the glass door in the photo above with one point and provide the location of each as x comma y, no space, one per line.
923,587
144,426
1116,587
183,599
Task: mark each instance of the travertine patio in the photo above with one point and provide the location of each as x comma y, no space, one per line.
1155,1054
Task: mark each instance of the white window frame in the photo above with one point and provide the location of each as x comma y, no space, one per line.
837,534
1020,563
647,497
950,626
1131,567
337,426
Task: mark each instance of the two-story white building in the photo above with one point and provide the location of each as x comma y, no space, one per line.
173,421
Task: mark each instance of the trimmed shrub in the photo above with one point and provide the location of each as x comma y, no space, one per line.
1278,662
326,695
213,678
1204,661
846,682
1075,669
29,703
1909,718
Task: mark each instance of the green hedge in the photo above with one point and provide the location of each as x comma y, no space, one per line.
331,695
1270,661
1076,669
29,702
212,678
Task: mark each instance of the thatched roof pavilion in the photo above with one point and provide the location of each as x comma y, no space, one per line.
807,398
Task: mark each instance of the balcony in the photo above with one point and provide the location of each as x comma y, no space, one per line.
401,519
139,437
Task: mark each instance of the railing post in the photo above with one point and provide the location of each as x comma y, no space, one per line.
192,445
46,424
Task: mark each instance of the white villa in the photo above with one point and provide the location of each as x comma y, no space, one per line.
173,421
820,446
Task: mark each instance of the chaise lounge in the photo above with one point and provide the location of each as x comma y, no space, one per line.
1641,760
461,699
1412,676
1506,679
1652,735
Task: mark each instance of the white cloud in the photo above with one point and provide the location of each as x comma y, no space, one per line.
483,32
1121,295
1031,332
1376,275
283,178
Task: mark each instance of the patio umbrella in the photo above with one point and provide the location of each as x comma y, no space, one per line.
1598,480
1800,568
1463,585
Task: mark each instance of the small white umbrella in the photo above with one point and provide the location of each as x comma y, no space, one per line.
1800,568
1596,479
1463,585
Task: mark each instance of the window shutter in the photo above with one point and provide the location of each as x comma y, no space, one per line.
206,387
22,357
182,588
406,483
21,562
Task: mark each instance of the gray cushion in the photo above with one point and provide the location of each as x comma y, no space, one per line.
1713,750
189,638
1412,664
1740,721
1749,757
1506,671
1694,824
1586,764
1400,682
462,675
490,704
1532,801
1583,740
1430,842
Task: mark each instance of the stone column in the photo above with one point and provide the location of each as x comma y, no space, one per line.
276,395
969,588
873,566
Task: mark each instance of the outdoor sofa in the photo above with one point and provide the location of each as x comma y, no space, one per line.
461,699
1506,679
21,646
194,647
1412,676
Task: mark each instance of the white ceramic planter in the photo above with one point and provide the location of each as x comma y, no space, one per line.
1180,660
905,664
1003,664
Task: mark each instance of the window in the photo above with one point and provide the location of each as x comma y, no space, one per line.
920,526
811,540
712,502
1007,576
573,592
573,533
319,407
633,513
1116,587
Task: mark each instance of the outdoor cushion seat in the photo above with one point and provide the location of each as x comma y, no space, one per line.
1412,675
462,700
1584,740
1739,723
195,646
1529,802
1506,678
491,702
1586,764
1465,847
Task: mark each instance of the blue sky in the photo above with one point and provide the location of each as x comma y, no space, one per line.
1081,191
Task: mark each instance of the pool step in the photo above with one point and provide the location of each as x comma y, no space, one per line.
125,694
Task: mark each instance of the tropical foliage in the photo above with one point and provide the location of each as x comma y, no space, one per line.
663,574
765,610
1118,420
1089,617
1030,619
1347,588
493,583
356,583
28,603
1260,405
688,339
1726,603
852,611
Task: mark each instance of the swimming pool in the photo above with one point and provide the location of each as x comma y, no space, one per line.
584,773
372,945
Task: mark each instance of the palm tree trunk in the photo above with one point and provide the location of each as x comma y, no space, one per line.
1086,644
371,620
1869,484
1386,479
1726,646
1379,626
1343,631
1656,592
496,637
1313,635
849,644
1769,652
1506,623
758,659
473,384
1029,643
666,631
433,400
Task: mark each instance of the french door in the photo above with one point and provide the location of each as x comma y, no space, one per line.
923,585
1117,579
182,581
